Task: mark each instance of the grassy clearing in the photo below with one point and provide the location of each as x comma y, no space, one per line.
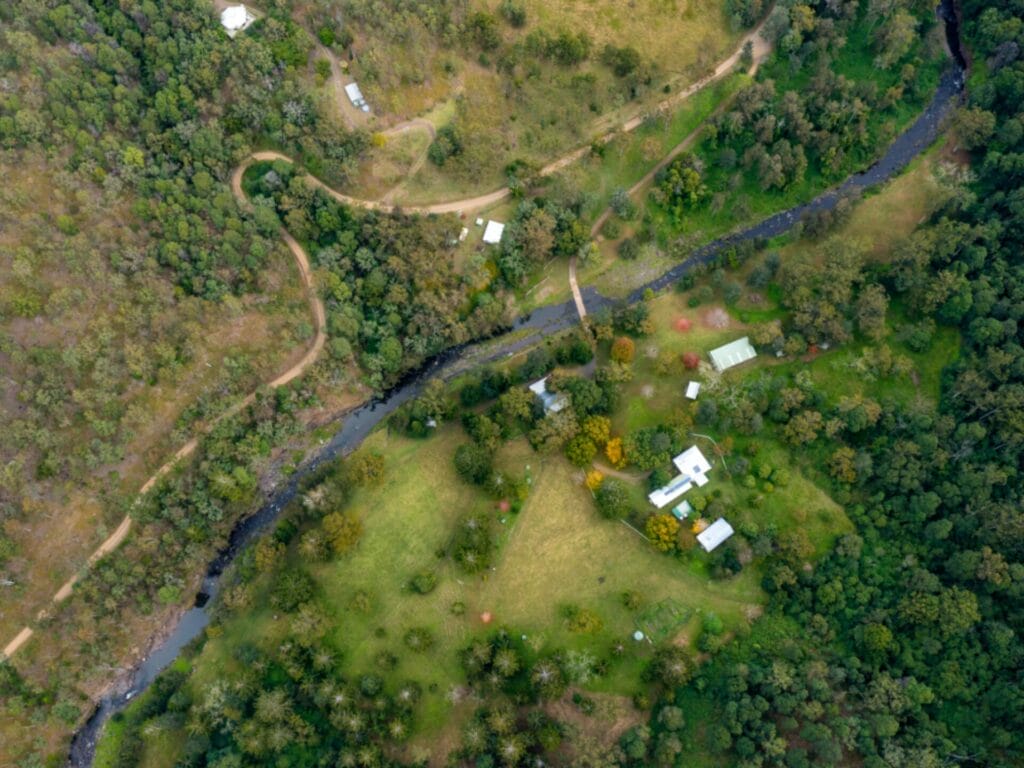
630,155
388,162
556,552
676,33
540,110
877,223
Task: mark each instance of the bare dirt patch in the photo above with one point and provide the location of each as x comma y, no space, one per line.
716,318
613,716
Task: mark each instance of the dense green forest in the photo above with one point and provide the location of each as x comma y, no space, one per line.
903,648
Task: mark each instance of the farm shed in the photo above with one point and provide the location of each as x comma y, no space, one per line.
732,354
715,534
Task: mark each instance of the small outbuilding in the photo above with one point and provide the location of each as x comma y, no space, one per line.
715,534
553,401
732,354
682,510
493,232
235,19
692,390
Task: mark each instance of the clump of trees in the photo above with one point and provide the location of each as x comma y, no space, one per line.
387,294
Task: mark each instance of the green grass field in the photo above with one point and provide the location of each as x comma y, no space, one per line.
556,552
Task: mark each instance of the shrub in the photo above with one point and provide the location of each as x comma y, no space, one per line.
325,35
584,621
472,543
629,249
513,12
473,463
612,228
623,350
268,554
632,600
419,639
613,499
622,204
662,530
292,588
424,582
447,144
580,450
342,531
613,450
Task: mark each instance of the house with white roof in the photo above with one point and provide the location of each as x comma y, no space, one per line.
732,354
235,19
553,401
665,495
715,534
693,468
693,463
493,232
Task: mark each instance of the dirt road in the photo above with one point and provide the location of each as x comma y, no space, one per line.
113,541
760,49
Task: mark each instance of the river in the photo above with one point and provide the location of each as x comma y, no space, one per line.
537,325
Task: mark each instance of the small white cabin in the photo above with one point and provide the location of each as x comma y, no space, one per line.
715,534
493,232
235,19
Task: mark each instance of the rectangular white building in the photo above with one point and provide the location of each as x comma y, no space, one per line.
692,390
493,232
693,470
732,354
665,495
715,534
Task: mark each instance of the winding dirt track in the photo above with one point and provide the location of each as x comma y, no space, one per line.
760,50
316,307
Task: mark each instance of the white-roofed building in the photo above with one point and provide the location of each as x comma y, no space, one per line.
235,19
682,510
715,534
732,354
665,495
493,232
694,465
553,401
692,390
693,470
